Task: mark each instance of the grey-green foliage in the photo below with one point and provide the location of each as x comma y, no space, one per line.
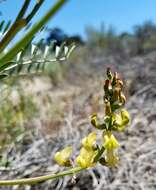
8,62
35,58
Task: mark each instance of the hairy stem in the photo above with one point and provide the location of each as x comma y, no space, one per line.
35,180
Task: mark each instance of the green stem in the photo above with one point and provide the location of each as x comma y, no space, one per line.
35,180
33,12
15,28
28,37
23,10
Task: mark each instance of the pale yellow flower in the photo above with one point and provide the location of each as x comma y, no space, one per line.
87,152
89,141
62,157
121,120
111,159
86,158
110,142
125,117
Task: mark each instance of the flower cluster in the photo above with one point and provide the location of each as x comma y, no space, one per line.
115,119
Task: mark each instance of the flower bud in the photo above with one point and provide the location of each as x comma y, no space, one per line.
122,98
106,85
125,117
115,77
107,88
109,74
107,108
116,94
119,83
94,120
96,123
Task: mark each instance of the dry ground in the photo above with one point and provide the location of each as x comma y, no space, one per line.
64,119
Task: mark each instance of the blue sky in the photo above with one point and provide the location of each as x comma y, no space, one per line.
77,14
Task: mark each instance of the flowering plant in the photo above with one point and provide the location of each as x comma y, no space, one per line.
115,119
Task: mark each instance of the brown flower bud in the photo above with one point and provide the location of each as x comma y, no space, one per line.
115,77
116,94
107,108
122,98
119,83
106,85
109,74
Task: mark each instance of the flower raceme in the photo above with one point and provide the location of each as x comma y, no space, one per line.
115,119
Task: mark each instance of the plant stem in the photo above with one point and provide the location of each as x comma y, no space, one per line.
23,10
19,23
16,27
35,180
33,12
28,36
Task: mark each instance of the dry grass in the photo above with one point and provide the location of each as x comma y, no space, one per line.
65,118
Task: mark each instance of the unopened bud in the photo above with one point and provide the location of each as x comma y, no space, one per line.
115,77
94,120
119,83
107,108
96,123
109,74
116,94
122,98
106,86
125,117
